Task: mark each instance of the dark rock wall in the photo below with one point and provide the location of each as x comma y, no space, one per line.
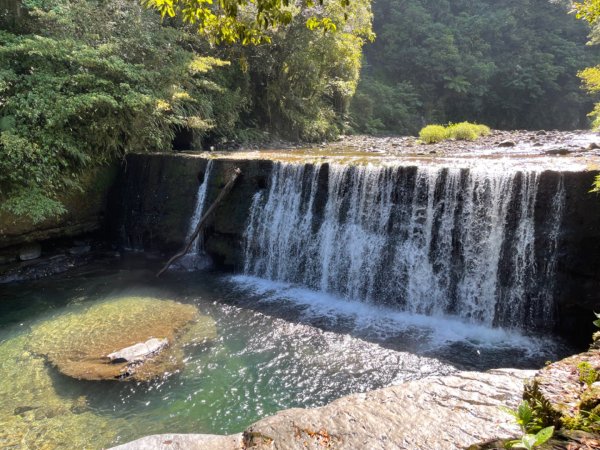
85,213
154,198
578,269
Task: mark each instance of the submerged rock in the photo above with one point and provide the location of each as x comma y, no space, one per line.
445,413
134,338
34,414
30,251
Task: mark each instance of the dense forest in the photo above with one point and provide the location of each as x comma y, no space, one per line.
83,82
511,64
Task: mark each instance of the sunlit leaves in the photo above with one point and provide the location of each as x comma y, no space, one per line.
245,21
588,10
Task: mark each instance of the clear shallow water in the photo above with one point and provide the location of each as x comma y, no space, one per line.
278,346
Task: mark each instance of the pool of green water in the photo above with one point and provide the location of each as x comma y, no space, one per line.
275,349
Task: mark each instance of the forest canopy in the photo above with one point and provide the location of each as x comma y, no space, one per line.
511,64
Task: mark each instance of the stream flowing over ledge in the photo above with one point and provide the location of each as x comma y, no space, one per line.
545,260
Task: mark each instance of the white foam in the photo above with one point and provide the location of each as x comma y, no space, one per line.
432,331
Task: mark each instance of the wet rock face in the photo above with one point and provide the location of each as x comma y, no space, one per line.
84,213
132,338
437,413
155,196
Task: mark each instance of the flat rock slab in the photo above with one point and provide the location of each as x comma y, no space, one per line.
436,413
127,338
139,352
185,442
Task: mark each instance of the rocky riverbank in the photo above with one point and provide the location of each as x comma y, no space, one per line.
553,143
436,413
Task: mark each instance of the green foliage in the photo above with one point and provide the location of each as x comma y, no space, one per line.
507,64
588,421
466,131
588,10
247,21
92,84
301,85
463,131
597,321
379,108
526,417
433,133
530,441
587,374
532,426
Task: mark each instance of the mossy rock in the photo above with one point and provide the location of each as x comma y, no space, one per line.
561,392
79,344
562,440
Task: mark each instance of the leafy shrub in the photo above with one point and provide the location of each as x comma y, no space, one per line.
433,133
463,131
531,424
466,131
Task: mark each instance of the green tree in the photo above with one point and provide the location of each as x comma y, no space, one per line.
92,84
247,21
589,10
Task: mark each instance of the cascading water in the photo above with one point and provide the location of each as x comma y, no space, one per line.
425,240
195,258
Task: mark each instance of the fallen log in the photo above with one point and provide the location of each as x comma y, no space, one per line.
204,218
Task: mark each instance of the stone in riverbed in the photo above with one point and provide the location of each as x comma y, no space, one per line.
507,144
30,251
133,338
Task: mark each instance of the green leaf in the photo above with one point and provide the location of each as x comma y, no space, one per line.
543,435
525,413
529,441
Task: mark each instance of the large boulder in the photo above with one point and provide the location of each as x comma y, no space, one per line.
131,338
435,413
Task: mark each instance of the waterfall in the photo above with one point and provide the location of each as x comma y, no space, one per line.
195,258
425,240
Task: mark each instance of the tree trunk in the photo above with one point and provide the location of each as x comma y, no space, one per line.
206,215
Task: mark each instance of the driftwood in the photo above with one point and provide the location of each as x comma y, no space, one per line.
206,215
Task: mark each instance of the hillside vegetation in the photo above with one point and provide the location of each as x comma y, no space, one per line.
511,64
